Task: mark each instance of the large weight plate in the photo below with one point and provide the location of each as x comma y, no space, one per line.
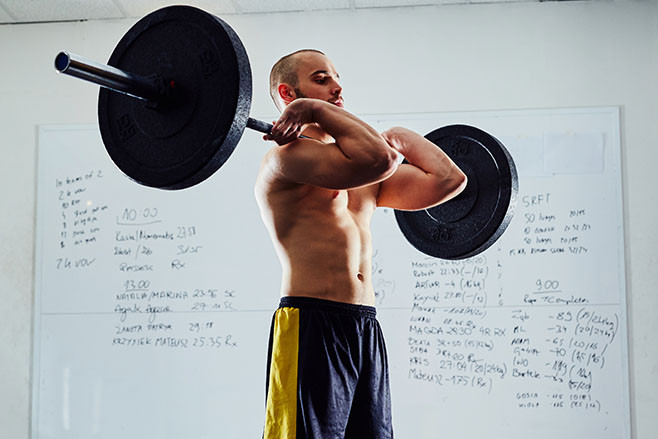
184,141
471,222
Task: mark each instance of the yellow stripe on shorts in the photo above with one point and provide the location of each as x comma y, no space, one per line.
281,411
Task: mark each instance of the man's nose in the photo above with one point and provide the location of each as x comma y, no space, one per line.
336,89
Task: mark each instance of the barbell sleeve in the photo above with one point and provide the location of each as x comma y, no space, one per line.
137,86
118,80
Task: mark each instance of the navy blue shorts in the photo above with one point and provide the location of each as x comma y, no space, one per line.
327,372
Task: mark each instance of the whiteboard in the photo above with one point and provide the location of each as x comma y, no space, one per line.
152,308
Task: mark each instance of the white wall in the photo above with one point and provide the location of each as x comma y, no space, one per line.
450,58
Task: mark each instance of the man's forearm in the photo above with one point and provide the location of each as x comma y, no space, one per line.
423,154
356,139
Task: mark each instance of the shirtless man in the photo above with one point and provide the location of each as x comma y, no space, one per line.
327,365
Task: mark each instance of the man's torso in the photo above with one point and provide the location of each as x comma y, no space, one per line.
322,237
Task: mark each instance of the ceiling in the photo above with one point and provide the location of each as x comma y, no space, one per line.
29,11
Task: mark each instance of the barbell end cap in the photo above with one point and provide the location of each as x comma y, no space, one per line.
62,62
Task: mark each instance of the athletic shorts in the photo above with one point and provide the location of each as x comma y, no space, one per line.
327,372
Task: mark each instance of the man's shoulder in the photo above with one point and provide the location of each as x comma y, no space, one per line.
277,163
270,177
273,159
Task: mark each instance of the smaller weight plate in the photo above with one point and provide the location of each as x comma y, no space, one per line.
472,221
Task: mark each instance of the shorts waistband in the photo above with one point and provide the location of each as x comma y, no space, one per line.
327,305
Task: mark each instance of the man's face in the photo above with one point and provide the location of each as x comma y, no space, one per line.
318,79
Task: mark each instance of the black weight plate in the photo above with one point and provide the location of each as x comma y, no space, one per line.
185,140
471,222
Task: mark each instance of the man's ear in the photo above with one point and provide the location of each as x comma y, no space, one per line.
286,93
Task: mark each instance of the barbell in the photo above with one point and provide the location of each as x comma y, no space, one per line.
175,99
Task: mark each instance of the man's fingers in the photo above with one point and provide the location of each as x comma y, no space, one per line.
280,126
284,131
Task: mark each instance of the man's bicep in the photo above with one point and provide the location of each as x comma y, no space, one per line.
411,188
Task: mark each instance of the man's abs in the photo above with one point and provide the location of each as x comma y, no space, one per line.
323,241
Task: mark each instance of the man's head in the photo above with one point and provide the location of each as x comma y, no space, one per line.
306,73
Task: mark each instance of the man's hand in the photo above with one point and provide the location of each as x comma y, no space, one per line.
292,122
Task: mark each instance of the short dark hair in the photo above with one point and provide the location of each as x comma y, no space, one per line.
285,71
